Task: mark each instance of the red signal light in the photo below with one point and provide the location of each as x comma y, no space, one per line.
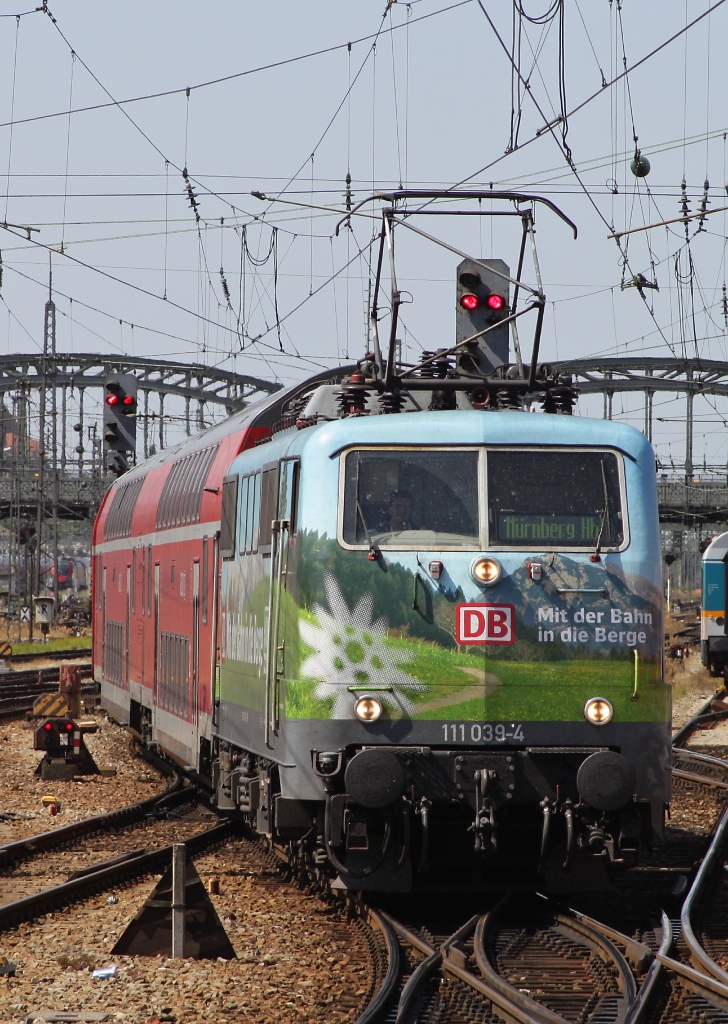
469,301
128,400
112,399
496,302
69,726
48,727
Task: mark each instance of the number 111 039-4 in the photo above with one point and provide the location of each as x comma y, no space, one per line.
474,732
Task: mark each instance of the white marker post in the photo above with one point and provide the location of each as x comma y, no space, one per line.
179,859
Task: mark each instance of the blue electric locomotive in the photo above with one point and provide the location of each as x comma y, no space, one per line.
436,614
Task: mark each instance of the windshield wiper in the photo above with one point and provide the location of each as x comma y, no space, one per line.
596,557
373,553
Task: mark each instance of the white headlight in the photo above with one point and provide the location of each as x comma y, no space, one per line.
368,709
486,571
598,711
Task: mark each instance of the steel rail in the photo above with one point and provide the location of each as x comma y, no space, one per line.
699,718
37,676
707,869
589,932
528,1009
702,984
694,755
647,988
415,984
708,970
703,780
54,838
30,907
65,655
384,994
516,1005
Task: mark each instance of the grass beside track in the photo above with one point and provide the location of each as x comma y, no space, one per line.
62,643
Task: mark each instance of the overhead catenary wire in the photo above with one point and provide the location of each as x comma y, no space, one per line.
12,111
216,328
227,78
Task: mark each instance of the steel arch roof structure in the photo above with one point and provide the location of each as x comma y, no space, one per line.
647,374
89,370
683,499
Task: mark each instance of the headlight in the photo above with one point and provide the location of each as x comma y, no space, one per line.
486,571
598,711
368,709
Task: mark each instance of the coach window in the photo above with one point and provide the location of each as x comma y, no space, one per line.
228,517
255,526
244,514
252,517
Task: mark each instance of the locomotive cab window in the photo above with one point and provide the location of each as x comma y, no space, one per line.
411,498
554,499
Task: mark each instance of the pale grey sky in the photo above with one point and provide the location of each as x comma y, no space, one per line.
430,104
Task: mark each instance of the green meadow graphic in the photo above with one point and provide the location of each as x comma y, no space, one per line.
349,624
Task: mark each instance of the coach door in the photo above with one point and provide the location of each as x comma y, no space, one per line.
127,631
195,648
282,528
103,619
156,635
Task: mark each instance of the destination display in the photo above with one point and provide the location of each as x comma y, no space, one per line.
556,499
565,529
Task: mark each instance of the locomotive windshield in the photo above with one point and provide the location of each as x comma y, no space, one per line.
412,497
539,498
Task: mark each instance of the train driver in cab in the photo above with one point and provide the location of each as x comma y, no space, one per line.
400,511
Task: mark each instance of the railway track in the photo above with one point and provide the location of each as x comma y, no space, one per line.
122,817
537,963
18,690
526,959
110,874
67,655
703,932
111,854
532,960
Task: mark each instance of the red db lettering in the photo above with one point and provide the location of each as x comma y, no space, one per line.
473,624
481,623
498,623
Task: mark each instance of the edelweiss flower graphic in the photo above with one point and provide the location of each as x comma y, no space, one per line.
350,651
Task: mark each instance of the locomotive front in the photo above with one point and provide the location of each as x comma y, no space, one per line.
470,685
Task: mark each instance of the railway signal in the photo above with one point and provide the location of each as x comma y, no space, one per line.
482,305
120,408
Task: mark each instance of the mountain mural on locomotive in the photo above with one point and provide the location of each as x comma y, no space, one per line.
350,623
441,648
358,625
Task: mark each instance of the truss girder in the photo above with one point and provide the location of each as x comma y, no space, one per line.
647,374
83,370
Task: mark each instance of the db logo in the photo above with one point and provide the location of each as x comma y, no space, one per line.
485,624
